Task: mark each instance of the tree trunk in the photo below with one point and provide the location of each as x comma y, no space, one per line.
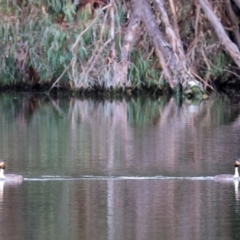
171,54
131,36
233,22
231,47
237,2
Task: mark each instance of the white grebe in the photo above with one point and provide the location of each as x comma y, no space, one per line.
228,176
9,177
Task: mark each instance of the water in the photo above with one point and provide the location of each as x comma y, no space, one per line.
125,169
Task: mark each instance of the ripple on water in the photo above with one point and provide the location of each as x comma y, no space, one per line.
93,177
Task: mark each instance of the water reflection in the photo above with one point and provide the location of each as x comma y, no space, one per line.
11,221
134,168
116,137
1,190
236,187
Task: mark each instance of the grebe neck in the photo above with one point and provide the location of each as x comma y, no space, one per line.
2,176
236,174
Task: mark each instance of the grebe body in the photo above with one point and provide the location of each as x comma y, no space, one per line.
228,176
8,177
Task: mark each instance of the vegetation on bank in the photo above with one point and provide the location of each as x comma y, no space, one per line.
120,44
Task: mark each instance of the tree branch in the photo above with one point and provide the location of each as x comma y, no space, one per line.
222,35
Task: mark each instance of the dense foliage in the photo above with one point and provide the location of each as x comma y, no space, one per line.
79,44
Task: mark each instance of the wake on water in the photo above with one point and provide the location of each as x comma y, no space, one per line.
116,178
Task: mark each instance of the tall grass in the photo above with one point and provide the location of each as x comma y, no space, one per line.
42,36
45,37
52,41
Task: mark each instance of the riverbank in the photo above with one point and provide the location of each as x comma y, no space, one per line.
101,47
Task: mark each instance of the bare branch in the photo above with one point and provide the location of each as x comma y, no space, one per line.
228,44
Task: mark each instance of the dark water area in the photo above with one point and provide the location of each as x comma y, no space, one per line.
135,168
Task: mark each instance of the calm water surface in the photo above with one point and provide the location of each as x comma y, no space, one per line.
126,169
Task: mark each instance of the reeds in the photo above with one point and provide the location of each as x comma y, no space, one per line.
54,42
64,46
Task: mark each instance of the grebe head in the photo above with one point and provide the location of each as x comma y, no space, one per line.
2,164
2,168
236,164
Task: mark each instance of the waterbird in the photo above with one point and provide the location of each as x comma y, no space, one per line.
8,177
228,176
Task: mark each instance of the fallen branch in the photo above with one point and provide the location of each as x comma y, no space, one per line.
73,60
96,57
131,36
86,29
202,80
222,35
65,70
233,22
237,2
